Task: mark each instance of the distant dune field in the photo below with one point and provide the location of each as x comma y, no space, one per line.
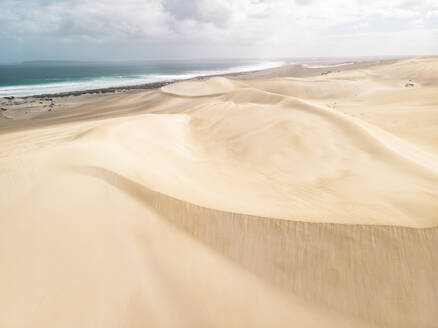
276,202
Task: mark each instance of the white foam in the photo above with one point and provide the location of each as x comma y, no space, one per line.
109,82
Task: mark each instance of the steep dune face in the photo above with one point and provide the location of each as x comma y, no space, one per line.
219,203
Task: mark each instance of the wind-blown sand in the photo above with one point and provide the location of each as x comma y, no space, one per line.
282,202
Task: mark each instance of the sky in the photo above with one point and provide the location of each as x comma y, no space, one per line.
203,29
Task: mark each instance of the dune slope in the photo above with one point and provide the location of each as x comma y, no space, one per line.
309,202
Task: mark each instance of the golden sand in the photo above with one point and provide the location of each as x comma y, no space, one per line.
282,202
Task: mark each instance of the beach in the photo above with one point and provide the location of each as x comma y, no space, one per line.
301,195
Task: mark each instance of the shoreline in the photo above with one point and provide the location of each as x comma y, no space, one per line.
20,113
295,69
142,86
308,198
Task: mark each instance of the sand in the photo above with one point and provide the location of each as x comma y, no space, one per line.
273,200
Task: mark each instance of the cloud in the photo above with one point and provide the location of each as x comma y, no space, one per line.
80,18
230,25
432,14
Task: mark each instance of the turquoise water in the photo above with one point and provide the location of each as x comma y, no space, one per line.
48,77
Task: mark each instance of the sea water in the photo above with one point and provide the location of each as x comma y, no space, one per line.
50,77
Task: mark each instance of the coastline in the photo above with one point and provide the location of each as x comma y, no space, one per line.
308,195
113,75
287,69
19,113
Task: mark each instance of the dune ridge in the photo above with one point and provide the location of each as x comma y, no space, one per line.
309,201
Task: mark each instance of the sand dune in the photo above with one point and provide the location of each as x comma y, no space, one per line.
307,202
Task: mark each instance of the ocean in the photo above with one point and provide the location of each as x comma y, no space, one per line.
49,77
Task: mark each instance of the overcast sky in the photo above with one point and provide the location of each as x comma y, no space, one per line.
172,29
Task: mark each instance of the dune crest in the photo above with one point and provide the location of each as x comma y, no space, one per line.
225,203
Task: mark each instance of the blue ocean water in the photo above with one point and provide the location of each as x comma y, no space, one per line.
48,77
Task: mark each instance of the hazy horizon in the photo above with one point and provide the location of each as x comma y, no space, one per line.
216,29
304,59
